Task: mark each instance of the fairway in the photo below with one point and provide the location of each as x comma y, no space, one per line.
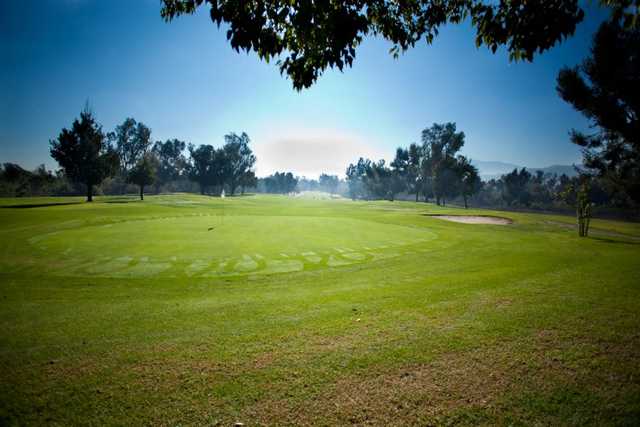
196,310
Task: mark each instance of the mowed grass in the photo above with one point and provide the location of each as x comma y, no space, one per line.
189,310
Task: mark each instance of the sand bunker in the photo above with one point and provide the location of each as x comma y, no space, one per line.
475,219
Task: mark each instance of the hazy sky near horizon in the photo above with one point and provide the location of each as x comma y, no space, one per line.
184,81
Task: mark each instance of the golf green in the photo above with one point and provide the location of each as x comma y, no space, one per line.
213,244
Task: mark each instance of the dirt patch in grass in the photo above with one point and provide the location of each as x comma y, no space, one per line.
474,219
481,386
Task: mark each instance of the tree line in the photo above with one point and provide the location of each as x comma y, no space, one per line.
432,169
112,162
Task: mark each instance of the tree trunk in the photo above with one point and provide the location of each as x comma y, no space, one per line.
202,189
89,192
142,192
587,220
417,193
465,201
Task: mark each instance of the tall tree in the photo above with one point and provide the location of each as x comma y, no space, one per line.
440,144
133,140
356,174
382,182
172,162
329,183
605,88
239,159
470,182
516,187
313,36
248,180
204,166
414,181
84,153
144,172
280,183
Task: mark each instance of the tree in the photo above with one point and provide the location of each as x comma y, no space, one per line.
133,140
280,183
440,143
84,153
313,36
446,182
329,183
172,163
239,159
605,88
470,182
144,172
577,194
17,182
400,171
248,180
414,181
516,187
382,182
355,179
205,166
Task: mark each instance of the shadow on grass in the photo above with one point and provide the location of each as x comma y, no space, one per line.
122,200
620,240
39,205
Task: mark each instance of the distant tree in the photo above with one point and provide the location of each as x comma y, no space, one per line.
356,174
446,181
12,172
290,183
400,162
376,179
605,88
313,36
440,144
18,182
144,172
516,187
400,168
84,153
382,182
541,188
280,183
248,180
239,159
133,140
470,182
329,183
306,184
172,162
203,166
414,181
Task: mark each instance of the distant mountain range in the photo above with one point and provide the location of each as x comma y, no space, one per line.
492,169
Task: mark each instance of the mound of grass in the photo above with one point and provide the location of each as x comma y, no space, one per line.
187,310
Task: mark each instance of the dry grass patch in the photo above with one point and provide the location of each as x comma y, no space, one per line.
481,385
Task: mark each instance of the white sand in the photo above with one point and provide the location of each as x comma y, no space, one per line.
475,219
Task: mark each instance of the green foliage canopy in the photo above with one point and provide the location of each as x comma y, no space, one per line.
84,153
313,36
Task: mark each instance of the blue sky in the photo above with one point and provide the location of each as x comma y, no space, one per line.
183,80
